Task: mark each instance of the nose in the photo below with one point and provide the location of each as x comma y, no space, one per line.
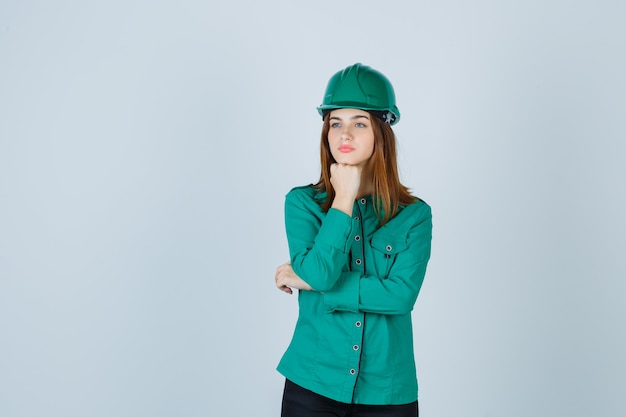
346,134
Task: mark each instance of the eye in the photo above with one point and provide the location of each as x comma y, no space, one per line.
335,125
359,124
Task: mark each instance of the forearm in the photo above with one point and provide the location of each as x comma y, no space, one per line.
318,242
393,295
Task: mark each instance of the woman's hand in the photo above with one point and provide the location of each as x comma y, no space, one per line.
346,180
286,279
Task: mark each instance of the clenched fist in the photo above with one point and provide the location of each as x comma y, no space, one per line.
346,180
286,279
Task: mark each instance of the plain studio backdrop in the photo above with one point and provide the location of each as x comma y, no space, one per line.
146,148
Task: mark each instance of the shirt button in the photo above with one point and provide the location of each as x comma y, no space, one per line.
388,248
358,262
357,218
357,238
352,371
363,201
357,324
355,347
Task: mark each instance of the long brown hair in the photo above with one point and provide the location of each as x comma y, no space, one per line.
389,193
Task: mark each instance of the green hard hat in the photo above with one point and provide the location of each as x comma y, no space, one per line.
361,87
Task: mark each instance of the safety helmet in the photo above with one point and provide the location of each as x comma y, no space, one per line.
361,87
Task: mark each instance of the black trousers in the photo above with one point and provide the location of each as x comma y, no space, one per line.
300,402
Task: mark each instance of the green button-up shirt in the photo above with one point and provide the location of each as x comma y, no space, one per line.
353,340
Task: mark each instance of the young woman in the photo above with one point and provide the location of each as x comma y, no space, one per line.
359,244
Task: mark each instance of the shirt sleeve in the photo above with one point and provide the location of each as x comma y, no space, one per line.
318,242
396,293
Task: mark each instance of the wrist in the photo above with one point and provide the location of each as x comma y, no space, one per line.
343,204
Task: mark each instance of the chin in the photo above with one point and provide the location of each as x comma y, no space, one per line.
346,161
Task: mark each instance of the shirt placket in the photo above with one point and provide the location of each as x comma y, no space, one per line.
357,252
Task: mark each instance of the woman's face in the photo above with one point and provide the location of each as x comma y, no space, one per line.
350,137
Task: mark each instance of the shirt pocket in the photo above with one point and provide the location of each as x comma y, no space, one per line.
386,248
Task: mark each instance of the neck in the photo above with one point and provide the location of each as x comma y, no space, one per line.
367,184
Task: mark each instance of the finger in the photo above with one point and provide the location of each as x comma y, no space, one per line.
281,282
280,275
280,269
286,289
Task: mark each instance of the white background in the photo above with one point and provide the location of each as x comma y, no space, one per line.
146,148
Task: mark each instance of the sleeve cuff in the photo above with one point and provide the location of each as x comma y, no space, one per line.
345,294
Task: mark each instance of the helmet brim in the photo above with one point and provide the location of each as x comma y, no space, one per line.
325,108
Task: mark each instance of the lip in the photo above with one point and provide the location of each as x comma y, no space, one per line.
346,148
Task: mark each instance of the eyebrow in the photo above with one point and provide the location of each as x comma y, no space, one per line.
358,116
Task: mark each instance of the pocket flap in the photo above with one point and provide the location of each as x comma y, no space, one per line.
389,244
